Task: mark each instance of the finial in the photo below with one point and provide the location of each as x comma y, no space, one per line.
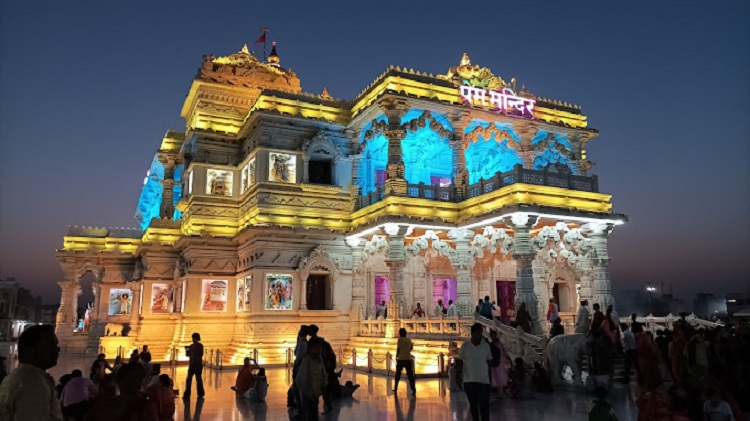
273,58
465,60
244,49
325,93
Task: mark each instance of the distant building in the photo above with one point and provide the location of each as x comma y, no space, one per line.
706,305
18,308
738,304
49,313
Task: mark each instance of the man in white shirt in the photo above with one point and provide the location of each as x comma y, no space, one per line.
473,368
451,309
28,393
583,321
438,311
630,346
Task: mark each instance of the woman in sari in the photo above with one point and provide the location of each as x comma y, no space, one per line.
648,361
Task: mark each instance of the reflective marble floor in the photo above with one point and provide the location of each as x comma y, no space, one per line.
373,401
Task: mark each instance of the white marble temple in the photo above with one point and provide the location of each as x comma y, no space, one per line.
374,401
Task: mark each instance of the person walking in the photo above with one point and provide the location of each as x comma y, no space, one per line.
631,351
473,368
485,308
451,309
404,361
28,393
523,318
311,380
583,322
553,312
293,398
195,367
438,310
329,363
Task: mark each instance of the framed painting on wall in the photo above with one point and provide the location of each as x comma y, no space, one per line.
120,301
162,298
214,295
282,168
278,291
219,182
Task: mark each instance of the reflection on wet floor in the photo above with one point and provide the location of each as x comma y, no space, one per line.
373,401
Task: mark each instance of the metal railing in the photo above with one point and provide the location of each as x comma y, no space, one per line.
518,174
653,323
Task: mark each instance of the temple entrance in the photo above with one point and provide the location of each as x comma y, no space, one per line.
506,295
445,289
382,291
317,287
565,296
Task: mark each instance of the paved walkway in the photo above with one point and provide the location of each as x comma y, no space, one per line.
373,401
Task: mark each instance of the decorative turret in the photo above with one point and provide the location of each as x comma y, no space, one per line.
465,60
273,58
325,94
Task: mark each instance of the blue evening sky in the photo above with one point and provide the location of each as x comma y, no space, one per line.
89,88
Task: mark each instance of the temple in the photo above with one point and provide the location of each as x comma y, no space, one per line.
276,208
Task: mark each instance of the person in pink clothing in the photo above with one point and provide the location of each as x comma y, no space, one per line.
499,374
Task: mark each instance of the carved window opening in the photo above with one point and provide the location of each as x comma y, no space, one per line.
320,171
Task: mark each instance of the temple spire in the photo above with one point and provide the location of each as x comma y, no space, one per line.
244,49
465,60
273,58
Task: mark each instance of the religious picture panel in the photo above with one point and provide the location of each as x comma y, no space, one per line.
506,296
278,291
248,175
219,182
214,295
162,298
120,301
382,295
243,294
282,168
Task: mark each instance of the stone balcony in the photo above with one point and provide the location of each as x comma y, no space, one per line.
549,178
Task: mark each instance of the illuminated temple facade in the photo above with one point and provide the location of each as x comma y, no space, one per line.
276,208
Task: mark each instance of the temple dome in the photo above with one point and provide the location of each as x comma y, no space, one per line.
244,69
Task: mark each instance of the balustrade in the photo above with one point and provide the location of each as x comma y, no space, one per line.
517,175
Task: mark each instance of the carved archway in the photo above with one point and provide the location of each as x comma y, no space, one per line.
486,134
318,262
320,148
426,120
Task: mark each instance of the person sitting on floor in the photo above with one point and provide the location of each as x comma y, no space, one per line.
162,396
245,377
259,391
541,378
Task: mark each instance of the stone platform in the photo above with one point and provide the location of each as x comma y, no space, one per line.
373,401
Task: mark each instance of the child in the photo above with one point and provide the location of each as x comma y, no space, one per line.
601,409
259,391
311,380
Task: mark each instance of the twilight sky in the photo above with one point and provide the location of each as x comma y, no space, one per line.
88,89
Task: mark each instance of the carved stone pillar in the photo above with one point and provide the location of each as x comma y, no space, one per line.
463,261
396,261
305,168
356,188
96,288
67,314
167,199
602,286
135,289
178,297
303,293
526,152
395,133
358,277
524,253
585,277
458,145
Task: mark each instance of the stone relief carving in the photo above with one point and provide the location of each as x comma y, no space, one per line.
318,260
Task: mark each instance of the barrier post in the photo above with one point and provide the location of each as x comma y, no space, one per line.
354,358
441,365
369,360
388,362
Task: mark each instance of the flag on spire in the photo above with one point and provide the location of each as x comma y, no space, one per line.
261,39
